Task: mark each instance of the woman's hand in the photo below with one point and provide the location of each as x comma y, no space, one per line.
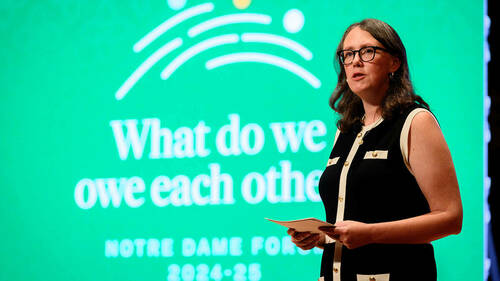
352,234
305,240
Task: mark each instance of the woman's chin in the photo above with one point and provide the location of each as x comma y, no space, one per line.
367,93
359,90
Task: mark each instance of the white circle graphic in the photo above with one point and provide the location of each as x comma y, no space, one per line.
293,21
176,4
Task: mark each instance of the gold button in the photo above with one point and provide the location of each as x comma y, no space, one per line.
360,135
361,141
341,199
335,270
374,154
346,163
330,161
373,279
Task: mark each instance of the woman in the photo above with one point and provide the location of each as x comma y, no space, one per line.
390,186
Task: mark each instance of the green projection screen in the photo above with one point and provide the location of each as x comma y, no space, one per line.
148,140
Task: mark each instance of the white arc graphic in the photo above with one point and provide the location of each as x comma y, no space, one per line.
265,58
146,65
228,19
196,49
278,40
171,22
212,42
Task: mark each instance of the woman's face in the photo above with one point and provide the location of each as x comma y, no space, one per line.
368,80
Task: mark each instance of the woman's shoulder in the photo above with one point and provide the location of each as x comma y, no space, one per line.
406,113
423,121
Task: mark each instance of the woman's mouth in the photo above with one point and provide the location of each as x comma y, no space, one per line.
357,76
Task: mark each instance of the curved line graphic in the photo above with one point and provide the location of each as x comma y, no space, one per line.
196,49
228,19
171,22
146,65
265,58
278,40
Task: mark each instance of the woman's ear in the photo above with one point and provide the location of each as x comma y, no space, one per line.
395,64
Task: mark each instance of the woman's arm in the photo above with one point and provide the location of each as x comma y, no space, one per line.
431,163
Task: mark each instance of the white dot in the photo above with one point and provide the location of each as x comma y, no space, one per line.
176,4
293,21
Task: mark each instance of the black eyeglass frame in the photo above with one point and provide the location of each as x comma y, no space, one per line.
375,48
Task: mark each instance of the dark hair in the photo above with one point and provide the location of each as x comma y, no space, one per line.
400,94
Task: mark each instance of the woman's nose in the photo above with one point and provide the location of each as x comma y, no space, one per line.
357,59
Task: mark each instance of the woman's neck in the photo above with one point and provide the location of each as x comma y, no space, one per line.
372,101
372,113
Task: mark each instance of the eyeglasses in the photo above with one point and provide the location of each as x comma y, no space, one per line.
365,54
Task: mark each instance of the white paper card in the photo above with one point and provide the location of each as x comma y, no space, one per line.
309,224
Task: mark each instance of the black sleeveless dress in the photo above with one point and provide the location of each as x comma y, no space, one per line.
367,180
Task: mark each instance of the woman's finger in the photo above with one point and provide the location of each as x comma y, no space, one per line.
308,243
326,228
330,231
307,247
310,239
301,235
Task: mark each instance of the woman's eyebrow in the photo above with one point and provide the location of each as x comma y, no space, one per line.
361,46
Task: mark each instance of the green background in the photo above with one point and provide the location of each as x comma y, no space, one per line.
63,61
